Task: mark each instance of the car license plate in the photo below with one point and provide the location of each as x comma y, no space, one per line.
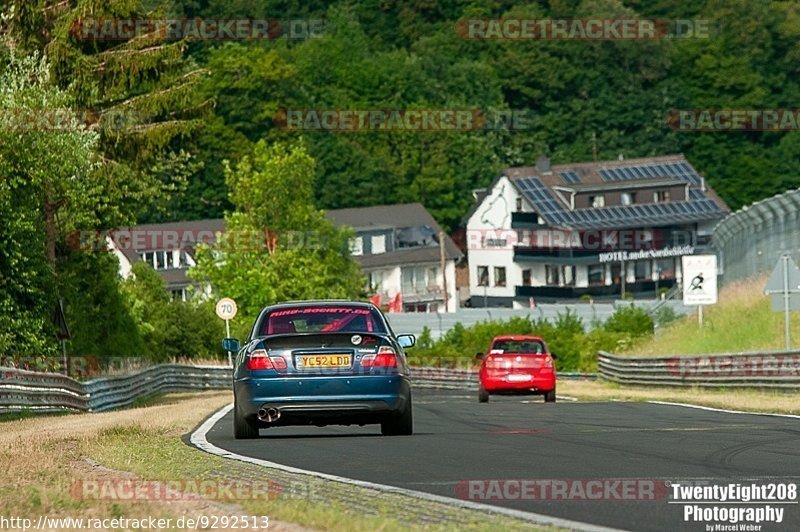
519,378
324,361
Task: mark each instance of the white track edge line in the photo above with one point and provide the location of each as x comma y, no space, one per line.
712,409
199,440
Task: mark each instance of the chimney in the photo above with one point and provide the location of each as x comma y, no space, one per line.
702,183
543,164
620,157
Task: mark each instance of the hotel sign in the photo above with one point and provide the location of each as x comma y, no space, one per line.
614,256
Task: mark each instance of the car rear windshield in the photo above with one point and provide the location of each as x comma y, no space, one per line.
322,319
519,347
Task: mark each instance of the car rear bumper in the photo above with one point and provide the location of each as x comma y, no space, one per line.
537,384
300,399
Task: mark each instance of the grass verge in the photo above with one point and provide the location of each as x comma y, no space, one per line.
746,400
743,320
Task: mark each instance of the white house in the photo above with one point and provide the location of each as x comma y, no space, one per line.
547,233
400,252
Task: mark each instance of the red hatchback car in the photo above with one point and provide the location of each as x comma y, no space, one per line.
517,365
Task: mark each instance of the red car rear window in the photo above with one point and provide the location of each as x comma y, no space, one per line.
321,319
519,346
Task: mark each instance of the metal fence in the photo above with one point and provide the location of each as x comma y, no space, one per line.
753,370
751,240
32,391
35,391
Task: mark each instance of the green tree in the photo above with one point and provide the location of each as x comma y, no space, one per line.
41,174
277,246
171,329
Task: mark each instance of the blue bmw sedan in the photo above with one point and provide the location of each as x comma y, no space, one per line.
321,363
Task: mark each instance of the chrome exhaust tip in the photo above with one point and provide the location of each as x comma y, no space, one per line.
269,415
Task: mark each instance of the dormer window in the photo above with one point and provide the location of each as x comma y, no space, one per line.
661,196
357,246
628,198
597,201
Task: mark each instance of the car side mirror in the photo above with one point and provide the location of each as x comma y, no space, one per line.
553,356
231,344
406,340
479,356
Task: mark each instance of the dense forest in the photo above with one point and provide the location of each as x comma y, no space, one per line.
188,128
614,95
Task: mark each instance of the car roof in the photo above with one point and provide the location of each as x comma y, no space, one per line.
517,338
320,303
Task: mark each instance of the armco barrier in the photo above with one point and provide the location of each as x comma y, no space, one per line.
752,370
33,391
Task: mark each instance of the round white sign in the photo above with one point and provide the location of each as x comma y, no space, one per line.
226,308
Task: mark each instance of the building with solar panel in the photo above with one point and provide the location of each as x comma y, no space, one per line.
556,233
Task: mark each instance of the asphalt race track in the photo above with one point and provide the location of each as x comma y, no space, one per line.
457,439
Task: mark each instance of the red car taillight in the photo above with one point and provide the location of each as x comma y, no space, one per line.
259,359
548,361
385,358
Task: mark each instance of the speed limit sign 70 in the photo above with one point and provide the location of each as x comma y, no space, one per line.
226,308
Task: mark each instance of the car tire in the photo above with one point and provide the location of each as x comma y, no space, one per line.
483,395
402,425
550,397
242,428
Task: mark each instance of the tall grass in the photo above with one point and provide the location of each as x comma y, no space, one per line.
742,320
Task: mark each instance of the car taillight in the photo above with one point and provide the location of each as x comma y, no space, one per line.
259,359
548,361
385,358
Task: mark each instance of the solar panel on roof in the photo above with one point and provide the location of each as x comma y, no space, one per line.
570,177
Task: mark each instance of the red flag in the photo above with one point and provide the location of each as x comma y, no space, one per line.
376,300
395,304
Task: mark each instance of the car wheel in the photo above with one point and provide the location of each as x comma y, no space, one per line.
242,428
550,397
483,395
402,425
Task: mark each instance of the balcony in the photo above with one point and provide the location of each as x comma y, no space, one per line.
641,288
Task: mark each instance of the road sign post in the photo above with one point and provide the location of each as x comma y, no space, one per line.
226,310
784,286
699,282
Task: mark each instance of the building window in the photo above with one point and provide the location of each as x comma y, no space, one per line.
665,268
568,275
661,196
499,276
483,276
378,244
643,270
526,277
178,294
628,198
597,201
519,205
375,281
596,274
357,245
419,280
551,275
433,279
